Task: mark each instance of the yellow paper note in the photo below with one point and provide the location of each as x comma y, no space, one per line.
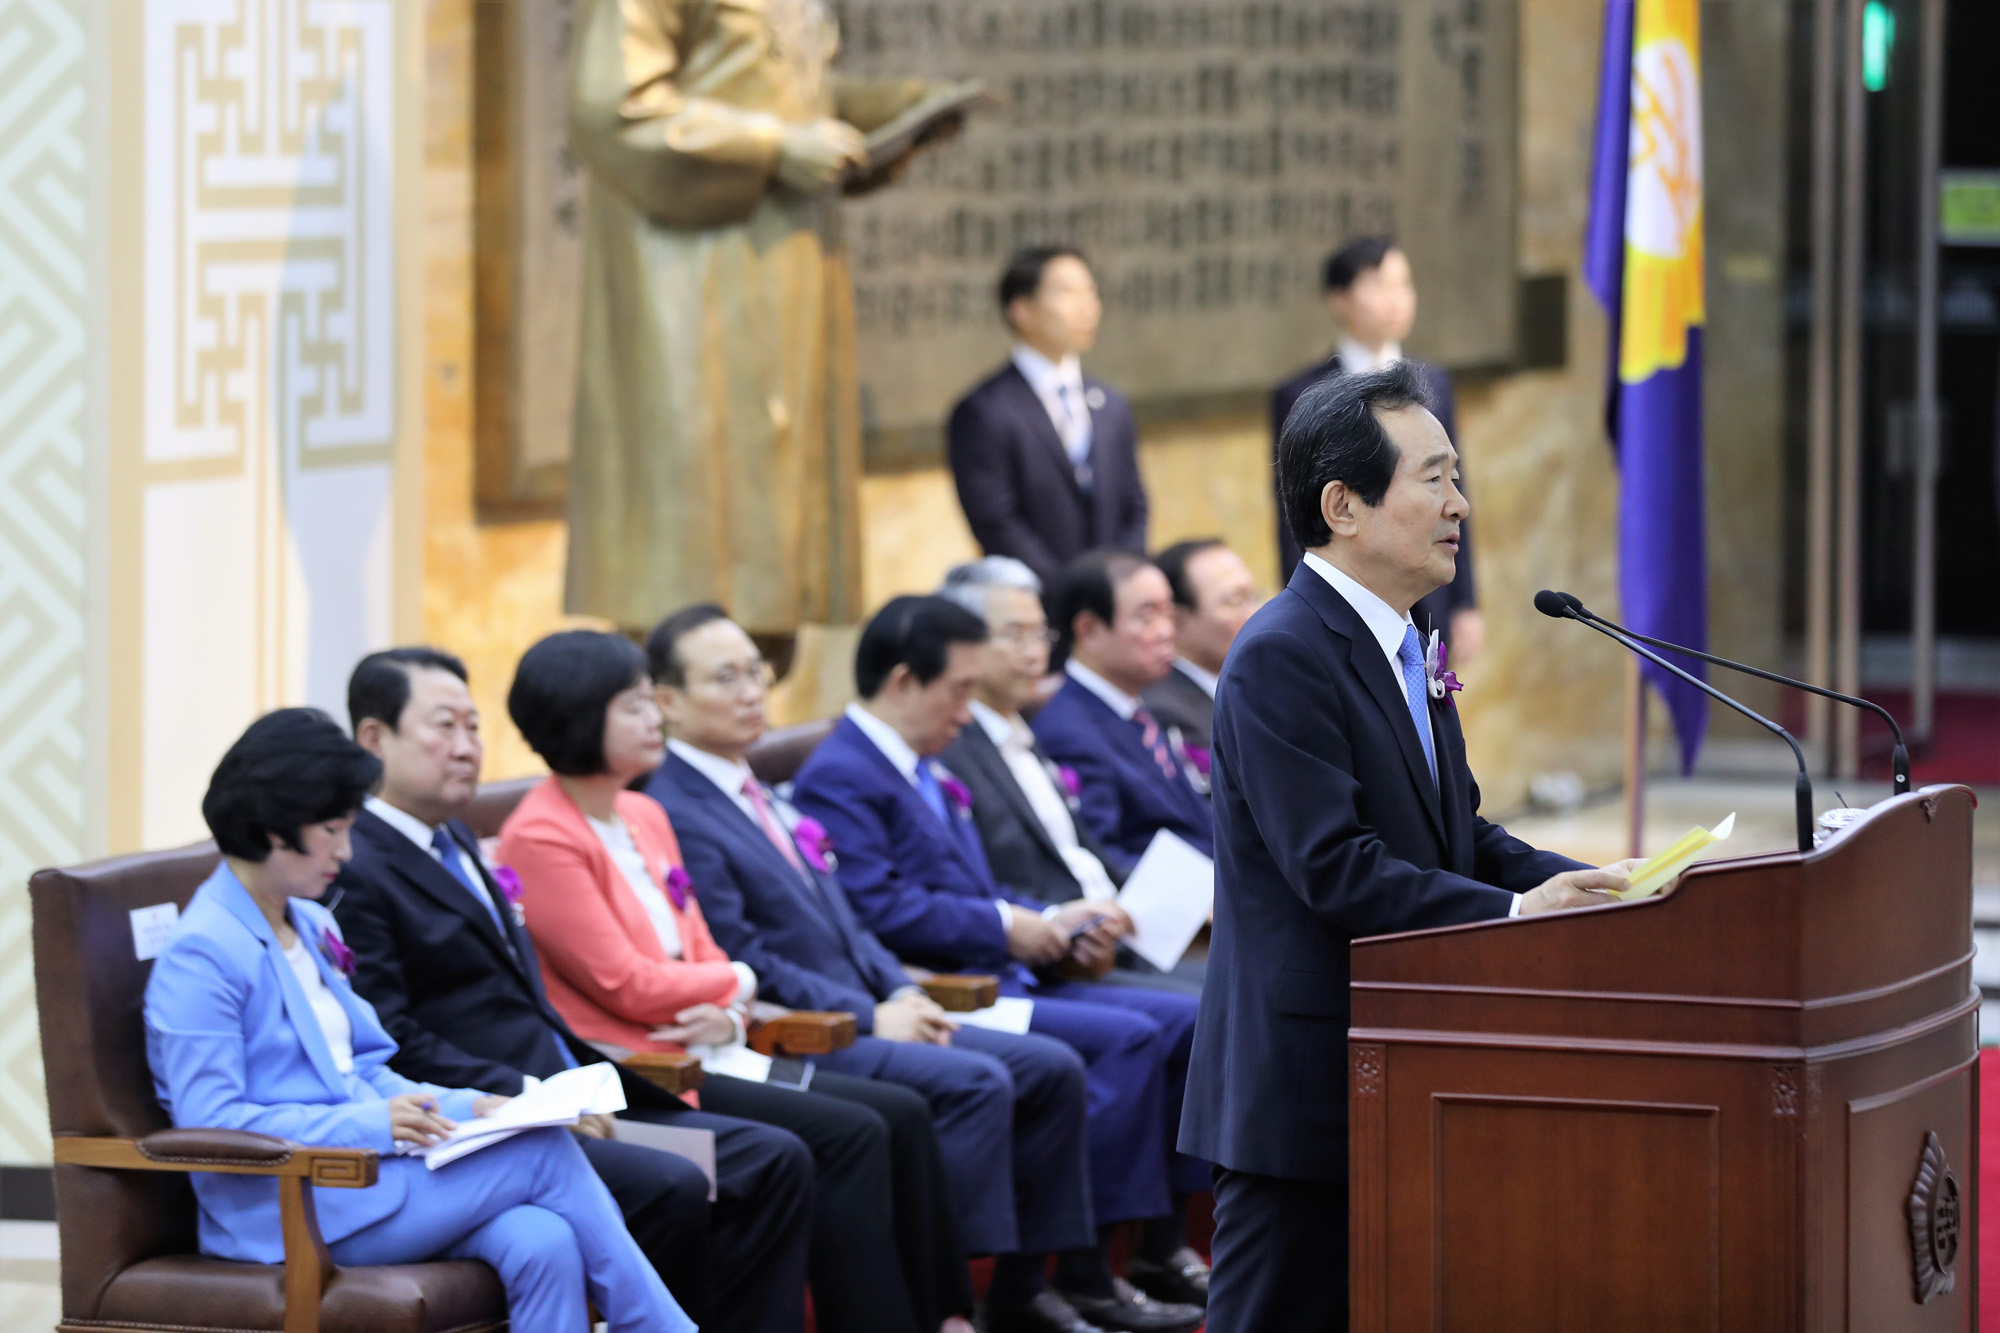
1657,873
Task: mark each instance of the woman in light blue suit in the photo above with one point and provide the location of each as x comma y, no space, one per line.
251,1024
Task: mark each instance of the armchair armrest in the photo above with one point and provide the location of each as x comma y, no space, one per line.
803,1032
675,1072
308,1265
962,993
226,1152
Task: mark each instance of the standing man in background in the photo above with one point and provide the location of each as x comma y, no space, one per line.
1373,296
1045,457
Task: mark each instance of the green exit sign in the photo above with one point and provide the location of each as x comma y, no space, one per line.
1969,207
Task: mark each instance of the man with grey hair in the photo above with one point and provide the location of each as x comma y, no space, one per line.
1026,810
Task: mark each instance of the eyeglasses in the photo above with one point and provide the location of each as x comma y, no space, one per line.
1024,636
731,679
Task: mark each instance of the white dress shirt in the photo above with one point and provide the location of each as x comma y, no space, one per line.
898,752
332,1019
1200,675
1059,384
631,863
1385,624
1358,360
1010,735
1119,702
728,774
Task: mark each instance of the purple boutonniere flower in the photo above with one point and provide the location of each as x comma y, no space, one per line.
956,792
1072,786
509,883
1442,683
810,837
679,888
337,954
1198,758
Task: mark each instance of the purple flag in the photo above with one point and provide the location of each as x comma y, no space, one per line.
1643,262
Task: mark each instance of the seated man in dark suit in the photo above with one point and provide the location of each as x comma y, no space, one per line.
1343,808
1372,295
1115,613
1027,806
440,954
1044,456
1213,595
910,862
1009,1107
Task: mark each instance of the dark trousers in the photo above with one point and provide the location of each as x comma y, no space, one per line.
1009,1112
1280,1255
737,1265
876,1159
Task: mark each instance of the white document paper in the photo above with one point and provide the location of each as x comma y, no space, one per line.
735,1060
1169,896
697,1145
562,1099
1009,1013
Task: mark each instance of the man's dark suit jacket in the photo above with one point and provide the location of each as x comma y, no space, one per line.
1017,846
1178,700
1018,488
1328,828
462,997
796,931
1461,594
1127,798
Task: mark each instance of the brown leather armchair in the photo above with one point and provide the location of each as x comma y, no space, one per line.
125,1213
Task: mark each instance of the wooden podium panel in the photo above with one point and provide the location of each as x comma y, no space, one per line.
1747,1104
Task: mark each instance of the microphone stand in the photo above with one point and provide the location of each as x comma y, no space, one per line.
1802,790
1899,760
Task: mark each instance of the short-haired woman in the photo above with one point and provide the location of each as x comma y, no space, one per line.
251,1024
629,963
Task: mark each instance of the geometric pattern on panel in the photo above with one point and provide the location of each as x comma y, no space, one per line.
44,275
270,282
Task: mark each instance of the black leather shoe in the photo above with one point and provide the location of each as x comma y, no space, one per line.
1047,1313
1182,1279
1133,1310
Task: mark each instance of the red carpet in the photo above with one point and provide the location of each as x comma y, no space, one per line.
1965,747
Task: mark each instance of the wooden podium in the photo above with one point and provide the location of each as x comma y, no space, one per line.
1749,1104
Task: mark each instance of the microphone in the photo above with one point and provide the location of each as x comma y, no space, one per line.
1561,606
1899,761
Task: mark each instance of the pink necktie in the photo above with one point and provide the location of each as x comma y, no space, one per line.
753,792
1152,739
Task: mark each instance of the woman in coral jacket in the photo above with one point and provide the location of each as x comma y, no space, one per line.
630,965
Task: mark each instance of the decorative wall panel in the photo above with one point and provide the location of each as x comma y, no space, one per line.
270,411
44,381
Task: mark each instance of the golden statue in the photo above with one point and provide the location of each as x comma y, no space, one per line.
718,424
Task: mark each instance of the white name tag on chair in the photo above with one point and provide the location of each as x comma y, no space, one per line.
150,928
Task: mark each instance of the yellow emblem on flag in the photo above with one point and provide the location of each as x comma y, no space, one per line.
1663,209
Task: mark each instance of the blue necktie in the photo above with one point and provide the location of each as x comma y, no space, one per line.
927,787
448,854
1417,690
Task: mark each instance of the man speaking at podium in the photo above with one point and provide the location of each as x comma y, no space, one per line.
1343,808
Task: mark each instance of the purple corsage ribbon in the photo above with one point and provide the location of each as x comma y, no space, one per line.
810,837
509,883
956,792
336,952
